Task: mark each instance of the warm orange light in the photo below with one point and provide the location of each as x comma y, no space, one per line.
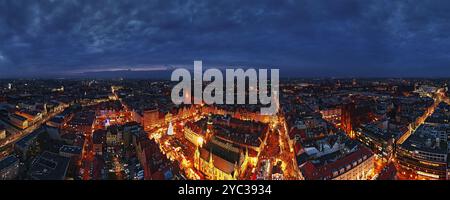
200,141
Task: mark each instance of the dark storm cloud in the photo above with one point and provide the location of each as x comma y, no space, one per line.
306,38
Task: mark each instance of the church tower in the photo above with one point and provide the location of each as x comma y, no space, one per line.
209,128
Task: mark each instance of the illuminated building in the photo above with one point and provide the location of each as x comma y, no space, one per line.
155,164
19,121
114,135
59,121
380,141
150,119
426,90
361,165
357,165
244,133
346,119
2,132
238,113
194,134
186,111
136,116
82,122
168,117
32,117
332,114
388,173
220,162
209,128
356,114
424,153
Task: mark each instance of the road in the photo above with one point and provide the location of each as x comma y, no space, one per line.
278,148
287,154
7,145
438,98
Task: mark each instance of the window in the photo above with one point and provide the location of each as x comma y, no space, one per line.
335,173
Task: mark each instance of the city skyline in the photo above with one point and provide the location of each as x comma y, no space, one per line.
52,39
324,129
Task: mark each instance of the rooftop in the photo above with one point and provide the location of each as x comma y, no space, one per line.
232,129
57,119
328,171
25,141
441,115
19,117
99,136
429,138
71,149
49,166
377,133
224,159
8,161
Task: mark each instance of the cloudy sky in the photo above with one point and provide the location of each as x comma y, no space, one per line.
338,38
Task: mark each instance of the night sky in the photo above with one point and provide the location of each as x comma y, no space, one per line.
334,38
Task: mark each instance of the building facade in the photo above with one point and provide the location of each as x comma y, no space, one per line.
219,163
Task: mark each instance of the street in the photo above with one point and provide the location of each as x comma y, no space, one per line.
7,145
